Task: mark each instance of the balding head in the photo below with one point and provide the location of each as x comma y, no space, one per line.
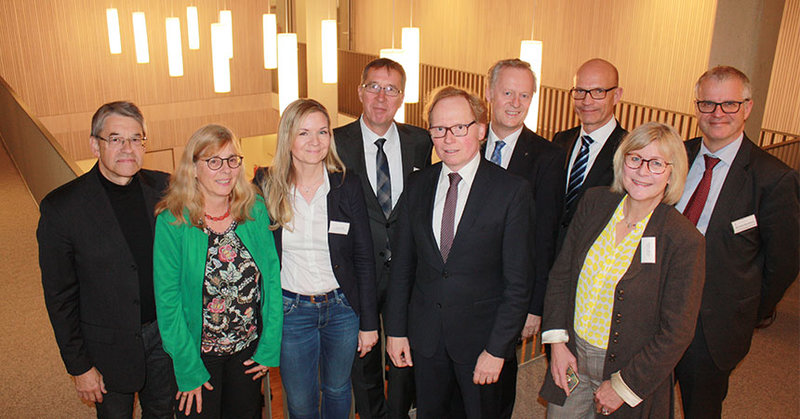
595,92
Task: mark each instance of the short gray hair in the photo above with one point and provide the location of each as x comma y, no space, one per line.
494,72
122,108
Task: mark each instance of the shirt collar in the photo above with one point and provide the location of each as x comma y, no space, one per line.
370,136
510,140
467,172
727,153
600,135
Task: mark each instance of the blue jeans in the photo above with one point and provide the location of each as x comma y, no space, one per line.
319,341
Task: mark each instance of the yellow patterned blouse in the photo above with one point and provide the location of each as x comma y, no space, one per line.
604,266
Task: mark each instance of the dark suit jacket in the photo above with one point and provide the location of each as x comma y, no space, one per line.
351,254
415,150
655,304
479,298
747,273
601,173
542,164
90,280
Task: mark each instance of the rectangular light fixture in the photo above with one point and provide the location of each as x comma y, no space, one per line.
531,51
270,28
329,51
221,64
192,27
226,18
410,43
140,38
399,56
114,43
288,83
174,49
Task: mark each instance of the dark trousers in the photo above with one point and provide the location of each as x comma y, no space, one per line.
442,383
235,395
703,385
157,396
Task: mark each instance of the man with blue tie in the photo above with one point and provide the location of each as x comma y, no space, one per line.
590,147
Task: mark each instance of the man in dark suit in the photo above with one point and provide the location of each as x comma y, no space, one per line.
590,147
746,203
459,288
96,256
522,152
382,153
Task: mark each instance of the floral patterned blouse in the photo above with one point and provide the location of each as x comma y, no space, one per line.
231,295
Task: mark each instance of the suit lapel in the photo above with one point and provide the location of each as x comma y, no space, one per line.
99,210
604,162
427,198
151,198
480,190
731,189
522,155
570,149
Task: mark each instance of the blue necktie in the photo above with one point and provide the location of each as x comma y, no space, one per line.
578,172
496,157
384,184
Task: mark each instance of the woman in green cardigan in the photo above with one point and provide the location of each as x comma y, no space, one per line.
217,280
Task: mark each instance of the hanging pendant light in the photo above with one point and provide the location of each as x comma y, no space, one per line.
399,56
114,43
174,49
531,52
329,52
192,27
221,64
270,28
226,19
140,38
288,83
410,43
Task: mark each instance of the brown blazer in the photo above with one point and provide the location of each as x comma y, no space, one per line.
655,305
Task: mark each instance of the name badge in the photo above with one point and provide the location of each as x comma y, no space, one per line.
339,227
648,250
744,224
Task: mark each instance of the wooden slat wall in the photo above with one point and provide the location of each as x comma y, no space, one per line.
782,110
787,151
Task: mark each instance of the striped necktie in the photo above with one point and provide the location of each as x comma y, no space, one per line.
383,181
578,172
497,158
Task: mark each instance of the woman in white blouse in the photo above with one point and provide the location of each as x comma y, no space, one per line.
327,268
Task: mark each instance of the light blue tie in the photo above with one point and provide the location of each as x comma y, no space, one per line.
496,157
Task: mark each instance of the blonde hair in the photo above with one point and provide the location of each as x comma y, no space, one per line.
184,194
277,185
669,143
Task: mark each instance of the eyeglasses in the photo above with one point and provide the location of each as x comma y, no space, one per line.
215,163
655,166
119,142
596,94
731,106
458,130
376,88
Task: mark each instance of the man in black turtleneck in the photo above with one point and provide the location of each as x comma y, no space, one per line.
96,256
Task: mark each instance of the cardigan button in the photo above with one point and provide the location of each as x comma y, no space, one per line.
612,357
615,340
335,266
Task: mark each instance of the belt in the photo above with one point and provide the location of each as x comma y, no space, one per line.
319,298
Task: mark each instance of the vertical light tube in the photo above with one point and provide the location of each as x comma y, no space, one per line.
192,27
219,58
531,51
226,18
410,43
399,56
114,42
140,38
288,83
329,51
270,28
174,49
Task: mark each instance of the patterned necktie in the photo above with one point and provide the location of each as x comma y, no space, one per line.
384,183
496,157
449,216
578,171
698,200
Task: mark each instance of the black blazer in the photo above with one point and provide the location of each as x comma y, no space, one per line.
542,164
90,280
747,273
351,254
415,150
478,299
601,173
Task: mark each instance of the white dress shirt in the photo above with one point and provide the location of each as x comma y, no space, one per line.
467,176
599,138
393,155
306,259
725,155
506,151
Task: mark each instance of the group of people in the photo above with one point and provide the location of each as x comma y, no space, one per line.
643,260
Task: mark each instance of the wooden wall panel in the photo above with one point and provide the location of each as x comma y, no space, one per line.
659,46
55,55
782,110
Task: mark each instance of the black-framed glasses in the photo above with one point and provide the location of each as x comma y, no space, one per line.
596,94
729,106
655,166
458,130
376,88
116,141
215,163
